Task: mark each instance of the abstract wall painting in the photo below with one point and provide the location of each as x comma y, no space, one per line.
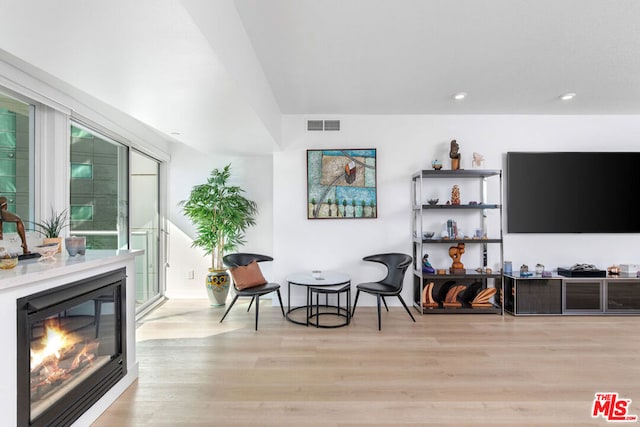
341,184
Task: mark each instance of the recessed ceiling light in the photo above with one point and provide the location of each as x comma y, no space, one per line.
568,96
459,96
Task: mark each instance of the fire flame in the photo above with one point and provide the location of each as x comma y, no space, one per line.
52,343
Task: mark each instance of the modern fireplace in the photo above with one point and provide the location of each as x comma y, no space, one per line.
71,348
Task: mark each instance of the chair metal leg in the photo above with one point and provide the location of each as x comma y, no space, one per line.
406,308
230,305
309,305
280,299
317,308
348,306
385,303
250,302
355,303
379,321
257,309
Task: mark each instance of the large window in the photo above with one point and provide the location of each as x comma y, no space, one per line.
99,189
16,157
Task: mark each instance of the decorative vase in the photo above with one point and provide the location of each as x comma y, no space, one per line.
218,282
58,240
75,245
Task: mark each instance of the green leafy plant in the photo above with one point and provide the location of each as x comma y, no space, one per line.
220,213
53,226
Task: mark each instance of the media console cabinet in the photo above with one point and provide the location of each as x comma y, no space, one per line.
559,295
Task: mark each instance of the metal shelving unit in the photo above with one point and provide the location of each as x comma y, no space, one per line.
424,181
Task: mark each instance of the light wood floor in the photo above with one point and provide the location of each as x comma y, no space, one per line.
449,370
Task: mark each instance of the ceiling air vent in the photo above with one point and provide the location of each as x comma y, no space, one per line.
315,125
332,125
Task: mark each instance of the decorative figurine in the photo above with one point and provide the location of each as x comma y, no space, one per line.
524,271
478,160
6,216
454,154
455,252
436,164
426,265
455,195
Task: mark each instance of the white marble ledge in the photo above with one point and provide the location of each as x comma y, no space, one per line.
28,271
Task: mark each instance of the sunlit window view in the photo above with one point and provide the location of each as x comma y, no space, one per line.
99,195
16,135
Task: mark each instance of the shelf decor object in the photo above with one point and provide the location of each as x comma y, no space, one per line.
454,154
342,184
455,252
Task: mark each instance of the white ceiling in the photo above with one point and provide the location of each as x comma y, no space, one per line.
221,73
410,56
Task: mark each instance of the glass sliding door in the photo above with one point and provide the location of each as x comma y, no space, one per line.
145,226
99,194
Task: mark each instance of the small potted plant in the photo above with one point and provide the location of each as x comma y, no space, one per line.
51,227
221,214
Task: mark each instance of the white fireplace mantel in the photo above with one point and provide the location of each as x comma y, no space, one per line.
31,276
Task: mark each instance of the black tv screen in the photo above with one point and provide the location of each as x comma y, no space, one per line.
573,192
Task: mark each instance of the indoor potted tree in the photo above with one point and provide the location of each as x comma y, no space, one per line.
221,214
50,228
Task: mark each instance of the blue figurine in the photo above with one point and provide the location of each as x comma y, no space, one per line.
426,265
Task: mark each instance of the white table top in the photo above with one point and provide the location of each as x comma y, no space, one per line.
323,278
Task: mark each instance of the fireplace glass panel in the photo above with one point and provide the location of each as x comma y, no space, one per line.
73,349
70,345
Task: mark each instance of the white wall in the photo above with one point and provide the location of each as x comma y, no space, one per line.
407,144
189,167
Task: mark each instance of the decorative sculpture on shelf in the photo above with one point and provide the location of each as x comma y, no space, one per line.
427,296
483,299
455,195
451,299
6,216
454,154
478,160
426,265
455,252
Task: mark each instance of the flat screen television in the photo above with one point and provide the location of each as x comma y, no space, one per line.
573,192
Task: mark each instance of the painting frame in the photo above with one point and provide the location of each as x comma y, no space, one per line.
342,183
